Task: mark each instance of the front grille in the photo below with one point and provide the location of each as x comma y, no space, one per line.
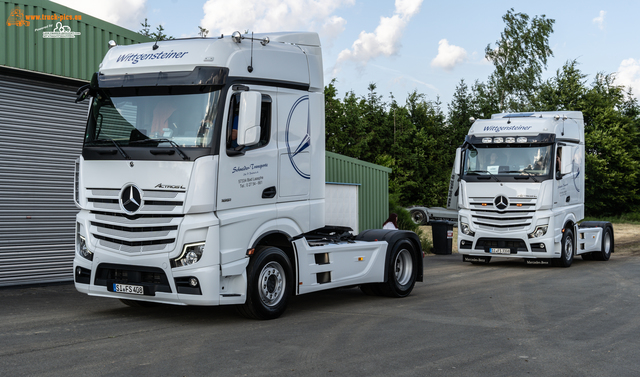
153,228
151,277
517,216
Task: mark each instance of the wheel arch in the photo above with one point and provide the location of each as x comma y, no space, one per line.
600,224
282,241
393,237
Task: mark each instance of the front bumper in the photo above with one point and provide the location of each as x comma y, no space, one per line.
518,243
161,283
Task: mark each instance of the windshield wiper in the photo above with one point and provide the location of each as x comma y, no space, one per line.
482,171
173,144
122,152
524,171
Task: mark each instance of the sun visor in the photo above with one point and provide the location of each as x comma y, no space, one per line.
199,76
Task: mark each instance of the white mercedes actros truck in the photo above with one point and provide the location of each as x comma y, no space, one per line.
522,191
202,181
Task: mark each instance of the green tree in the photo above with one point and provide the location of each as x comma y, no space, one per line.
519,58
157,35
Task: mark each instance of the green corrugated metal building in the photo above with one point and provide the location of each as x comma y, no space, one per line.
373,197
32,44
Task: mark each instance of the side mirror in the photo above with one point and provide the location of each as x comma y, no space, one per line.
249,118
456,163
83,92
566,166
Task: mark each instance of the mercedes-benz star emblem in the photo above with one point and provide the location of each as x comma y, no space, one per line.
130,199
501,202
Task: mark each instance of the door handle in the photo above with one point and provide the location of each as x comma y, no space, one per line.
568,199
269,192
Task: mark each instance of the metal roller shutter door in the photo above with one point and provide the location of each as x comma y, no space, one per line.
41,132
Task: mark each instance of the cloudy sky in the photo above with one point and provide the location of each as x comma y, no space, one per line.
404,45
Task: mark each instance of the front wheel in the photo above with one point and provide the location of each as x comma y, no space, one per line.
566,257
401,271
268,280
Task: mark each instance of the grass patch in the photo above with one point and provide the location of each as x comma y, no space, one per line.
627,218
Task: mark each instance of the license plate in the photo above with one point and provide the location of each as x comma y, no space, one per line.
499,250
127,288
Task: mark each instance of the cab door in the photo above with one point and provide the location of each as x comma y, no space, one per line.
248,176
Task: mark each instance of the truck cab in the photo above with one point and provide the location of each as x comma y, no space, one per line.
522,191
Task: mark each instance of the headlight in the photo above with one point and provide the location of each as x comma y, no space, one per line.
466,230
191,254
540,231
83,250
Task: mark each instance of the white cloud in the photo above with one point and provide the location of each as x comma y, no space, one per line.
629,75
125,13
448,55
600,20
385,40
263,16
332,28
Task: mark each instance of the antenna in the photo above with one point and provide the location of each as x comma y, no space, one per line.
250,67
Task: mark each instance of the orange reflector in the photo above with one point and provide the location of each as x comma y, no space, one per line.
251,251
484,204
300,283
519,204
360,259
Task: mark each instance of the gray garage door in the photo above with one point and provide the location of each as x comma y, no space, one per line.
41,131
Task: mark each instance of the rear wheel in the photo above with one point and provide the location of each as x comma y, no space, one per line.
268,280
566,257
401,271
419,216
606,247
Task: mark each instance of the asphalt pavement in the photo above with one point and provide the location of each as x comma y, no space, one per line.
501,319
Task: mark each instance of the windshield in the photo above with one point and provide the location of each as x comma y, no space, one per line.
185,120
510,161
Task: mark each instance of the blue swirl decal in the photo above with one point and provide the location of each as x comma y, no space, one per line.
304,143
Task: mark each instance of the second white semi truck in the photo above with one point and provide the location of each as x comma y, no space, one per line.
202,181
522,179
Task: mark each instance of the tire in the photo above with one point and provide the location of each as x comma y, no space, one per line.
269,278
567,246
139,304
401,271
419,217
606,247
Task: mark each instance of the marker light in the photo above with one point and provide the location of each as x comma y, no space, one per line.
486,139
510,140
522,139
497,140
